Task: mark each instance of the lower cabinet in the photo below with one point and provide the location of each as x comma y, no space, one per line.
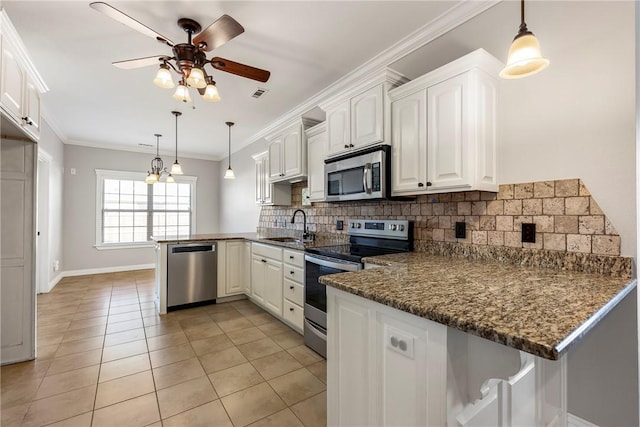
266,277
234,257
293,289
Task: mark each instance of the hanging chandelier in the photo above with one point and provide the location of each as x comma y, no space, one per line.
157,166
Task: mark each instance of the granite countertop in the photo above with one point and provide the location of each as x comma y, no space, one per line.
254,237
540,311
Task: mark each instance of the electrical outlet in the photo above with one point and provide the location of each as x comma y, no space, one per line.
339,224
528,233
56,265
461,230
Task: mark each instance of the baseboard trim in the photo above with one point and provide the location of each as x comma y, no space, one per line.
90,271
574,421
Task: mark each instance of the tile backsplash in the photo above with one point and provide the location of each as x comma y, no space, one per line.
567,217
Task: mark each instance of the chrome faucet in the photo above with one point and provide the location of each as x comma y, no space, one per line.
305,232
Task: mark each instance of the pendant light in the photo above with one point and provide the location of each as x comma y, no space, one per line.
157,166
229,173
525,57
176,169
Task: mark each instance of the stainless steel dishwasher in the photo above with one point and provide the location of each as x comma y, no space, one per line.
192,274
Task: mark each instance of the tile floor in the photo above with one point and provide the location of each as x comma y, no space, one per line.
105,358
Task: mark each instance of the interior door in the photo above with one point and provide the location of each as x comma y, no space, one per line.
17,260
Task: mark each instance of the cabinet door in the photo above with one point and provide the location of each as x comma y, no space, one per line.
259,181
412,381
276,169
273,286
294,154
258,277
367,119
447,148
32,110
317,151
235,267
409,144
11,83
338,129
267,187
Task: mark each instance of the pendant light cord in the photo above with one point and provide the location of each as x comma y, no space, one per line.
176,138
229,124
522,13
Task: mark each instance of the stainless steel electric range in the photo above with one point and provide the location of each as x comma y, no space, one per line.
367,237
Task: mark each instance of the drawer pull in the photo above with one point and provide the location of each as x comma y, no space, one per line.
291,287
290,308
263,260
290,256
292,272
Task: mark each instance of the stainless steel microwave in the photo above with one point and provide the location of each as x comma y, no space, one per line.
363,175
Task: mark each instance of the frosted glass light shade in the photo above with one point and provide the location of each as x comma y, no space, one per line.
163,78
524,58
151,179
211,93
182,93
196,78
170,179
229,174
176,169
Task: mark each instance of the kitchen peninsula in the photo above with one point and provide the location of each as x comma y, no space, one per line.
403,346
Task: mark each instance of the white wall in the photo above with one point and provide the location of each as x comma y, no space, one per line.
53,146
80,204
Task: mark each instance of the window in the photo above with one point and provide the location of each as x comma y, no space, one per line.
129,211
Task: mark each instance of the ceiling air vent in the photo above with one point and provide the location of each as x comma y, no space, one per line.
146,145
259,92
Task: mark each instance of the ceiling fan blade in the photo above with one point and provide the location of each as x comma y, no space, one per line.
125,19
221,31
130,64
240,69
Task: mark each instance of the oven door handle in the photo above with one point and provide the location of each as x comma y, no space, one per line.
366,178
346,266
315,331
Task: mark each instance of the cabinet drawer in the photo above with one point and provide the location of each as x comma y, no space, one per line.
293,314
294,257
294,292
294,273
267,251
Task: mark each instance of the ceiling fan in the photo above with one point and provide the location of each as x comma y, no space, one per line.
189,59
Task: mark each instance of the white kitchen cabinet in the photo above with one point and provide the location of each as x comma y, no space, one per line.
317,146
273,286
338,128
267,193
236,267
443,136
293,288
257,278
288,152
20,84
266,277
384,367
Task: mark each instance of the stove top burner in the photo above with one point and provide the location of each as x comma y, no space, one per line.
353,253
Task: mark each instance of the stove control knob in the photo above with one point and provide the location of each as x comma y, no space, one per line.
393,227
358,225
401,227
353,225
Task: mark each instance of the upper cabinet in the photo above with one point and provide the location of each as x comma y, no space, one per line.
267,193
317,147
20,83
443,128
360,118
288,152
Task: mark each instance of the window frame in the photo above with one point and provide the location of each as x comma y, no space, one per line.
102,174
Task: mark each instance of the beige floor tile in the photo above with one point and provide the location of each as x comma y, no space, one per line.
167,340
124,337
244,336
82,420
231,325
13,415
195,321
213,362
124,309
79,346
140,411
171,355
123,367
86,323
234,379
175,373
319,369
124,388
124,326
50,339
19,372
284,418
44,352
118,302
184,396
288,339
60,407
209,414
223,316
305,355
121,351
90,313
274,328
252,404
20,392
297,385
67,381
260,348
313,411
124,317
211,345
276,364
54,328
162,329
203,331
260,318
80,334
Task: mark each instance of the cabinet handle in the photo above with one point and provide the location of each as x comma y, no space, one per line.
292,272
263,260
291,287
420,184
429,184
351,145
346,145
290,308
290,256
27,120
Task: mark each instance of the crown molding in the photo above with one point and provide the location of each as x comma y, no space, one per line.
138,149
22,55
52,123
452,18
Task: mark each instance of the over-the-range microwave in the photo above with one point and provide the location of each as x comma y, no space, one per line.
363,175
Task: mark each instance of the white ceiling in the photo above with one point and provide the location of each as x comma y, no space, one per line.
306,45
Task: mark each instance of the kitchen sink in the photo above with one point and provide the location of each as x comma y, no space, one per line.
284,239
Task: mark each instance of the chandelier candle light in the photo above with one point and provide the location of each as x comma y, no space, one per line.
525,57
157,166
229,173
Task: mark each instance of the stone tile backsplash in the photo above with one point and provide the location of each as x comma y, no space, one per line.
567,217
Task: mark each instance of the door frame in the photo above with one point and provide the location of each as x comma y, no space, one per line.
43,179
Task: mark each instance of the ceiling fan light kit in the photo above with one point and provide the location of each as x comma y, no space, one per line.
189,59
